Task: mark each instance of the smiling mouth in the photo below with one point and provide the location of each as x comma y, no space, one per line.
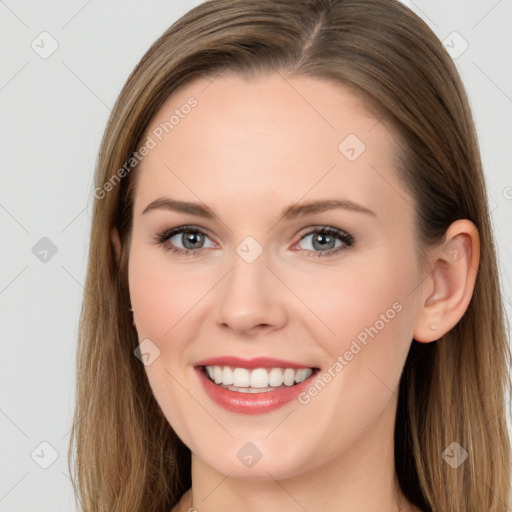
257,380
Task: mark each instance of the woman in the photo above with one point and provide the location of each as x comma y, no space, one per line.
292,294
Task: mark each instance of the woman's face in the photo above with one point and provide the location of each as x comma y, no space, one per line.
259,283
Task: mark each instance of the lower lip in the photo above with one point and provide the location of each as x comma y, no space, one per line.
252,403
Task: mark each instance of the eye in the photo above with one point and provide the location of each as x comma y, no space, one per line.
323,241
191,238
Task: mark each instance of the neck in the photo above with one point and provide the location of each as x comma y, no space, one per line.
360,478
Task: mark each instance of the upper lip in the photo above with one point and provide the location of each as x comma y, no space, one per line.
256,362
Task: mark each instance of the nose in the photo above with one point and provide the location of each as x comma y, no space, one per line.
251,298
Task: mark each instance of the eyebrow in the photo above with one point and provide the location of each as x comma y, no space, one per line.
291,212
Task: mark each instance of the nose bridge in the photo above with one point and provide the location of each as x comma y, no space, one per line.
248,297
249,266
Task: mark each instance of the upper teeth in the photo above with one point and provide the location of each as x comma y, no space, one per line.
257,378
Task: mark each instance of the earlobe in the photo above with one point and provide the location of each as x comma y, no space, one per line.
116,243
449,288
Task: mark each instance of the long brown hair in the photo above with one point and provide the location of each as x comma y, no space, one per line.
123,453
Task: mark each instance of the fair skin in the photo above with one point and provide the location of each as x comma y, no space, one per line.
247,151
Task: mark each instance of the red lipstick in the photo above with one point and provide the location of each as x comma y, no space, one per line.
251,403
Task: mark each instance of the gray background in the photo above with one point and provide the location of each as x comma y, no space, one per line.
54,111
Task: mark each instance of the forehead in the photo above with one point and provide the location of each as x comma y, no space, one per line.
269,137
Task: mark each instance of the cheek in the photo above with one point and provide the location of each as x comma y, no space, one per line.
161,295
344,302
367,315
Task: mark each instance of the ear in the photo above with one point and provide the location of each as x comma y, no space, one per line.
116,243
447,291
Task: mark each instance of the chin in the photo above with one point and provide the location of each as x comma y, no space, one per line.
250,463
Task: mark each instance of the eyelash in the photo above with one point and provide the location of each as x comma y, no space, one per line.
343,236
